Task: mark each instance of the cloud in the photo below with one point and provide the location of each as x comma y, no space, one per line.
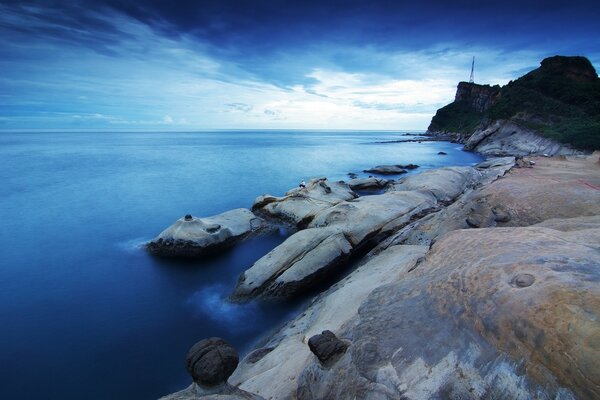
243,107
248,64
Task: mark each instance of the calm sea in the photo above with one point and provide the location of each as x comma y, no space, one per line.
85,312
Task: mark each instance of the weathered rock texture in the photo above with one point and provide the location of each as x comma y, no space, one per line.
193,237
371,183
493,313
286,354
555,187
508,138
300,205
478,97
326,346
336,233
211,361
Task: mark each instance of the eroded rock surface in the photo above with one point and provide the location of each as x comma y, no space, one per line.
337,232
334,234
508,138
490,313
391,169
367,183
300,205
274,375
193,237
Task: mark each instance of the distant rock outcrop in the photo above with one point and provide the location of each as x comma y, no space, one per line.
552,110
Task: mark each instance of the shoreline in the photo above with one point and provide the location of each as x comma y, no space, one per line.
458,202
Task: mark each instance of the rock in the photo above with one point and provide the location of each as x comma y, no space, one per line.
194,237
500,214
211,361
508,138
441,153
387,170
370,183
493,313
352,175
222,392
276,374
523,197
312,255
326,346
300,205
303,259
446,184
496,162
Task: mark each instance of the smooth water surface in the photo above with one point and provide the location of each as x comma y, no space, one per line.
86,313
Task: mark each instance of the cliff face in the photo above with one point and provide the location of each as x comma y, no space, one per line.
559,102
478,97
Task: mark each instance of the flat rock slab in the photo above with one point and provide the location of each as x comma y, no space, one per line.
489,313
194,237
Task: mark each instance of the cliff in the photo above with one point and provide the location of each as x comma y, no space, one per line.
556,105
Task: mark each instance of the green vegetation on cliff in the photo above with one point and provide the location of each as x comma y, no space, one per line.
559,100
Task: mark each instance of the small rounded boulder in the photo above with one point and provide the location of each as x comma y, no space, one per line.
211,361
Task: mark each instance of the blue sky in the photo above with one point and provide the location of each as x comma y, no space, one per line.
183,65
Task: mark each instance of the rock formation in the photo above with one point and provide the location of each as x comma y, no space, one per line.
335,233
211,362
552,110
510,311
192,237
391,169
370,183
300,205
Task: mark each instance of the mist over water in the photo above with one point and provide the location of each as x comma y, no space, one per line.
86,312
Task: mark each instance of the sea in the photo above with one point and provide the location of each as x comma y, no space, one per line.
85,311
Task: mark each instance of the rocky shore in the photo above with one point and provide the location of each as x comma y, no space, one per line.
472,282
467,282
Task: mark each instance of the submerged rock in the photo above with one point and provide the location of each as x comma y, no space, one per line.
192,237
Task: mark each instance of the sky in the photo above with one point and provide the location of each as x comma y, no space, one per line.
266,64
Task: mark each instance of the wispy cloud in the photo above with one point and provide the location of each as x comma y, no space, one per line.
111,65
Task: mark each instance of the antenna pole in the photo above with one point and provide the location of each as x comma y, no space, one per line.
471,79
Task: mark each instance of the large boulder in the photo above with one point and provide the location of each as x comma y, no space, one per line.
490,313
326,346
211,362
193,237
300,205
